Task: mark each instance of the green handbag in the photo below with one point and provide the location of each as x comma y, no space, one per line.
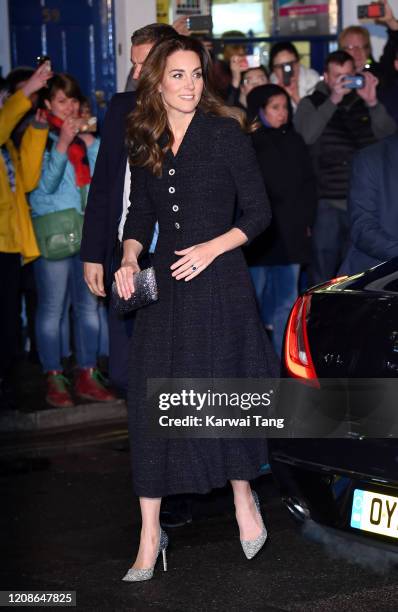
59,234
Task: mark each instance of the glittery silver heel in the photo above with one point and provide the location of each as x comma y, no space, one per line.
252,547
139,575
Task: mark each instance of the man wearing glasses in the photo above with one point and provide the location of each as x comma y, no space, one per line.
342,116
355,40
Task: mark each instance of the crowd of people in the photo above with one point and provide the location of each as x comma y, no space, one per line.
231,186
305,130
47,163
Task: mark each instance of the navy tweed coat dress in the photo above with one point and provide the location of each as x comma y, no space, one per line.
208,327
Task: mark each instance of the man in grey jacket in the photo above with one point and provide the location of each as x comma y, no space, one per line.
336,121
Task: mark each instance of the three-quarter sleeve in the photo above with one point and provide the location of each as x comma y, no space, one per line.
254,210
141,215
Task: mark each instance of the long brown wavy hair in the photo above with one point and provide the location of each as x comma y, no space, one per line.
148,121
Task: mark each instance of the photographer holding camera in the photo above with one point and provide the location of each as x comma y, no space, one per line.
340,117
355,40
287,72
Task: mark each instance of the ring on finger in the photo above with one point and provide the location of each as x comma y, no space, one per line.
194,268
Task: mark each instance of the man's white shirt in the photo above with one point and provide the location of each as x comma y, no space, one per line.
126,204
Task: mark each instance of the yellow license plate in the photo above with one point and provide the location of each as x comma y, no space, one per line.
375,512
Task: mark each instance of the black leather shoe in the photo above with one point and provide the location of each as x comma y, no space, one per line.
7,396
176,511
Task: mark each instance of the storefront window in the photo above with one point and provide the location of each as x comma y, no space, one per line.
306,17
269,17
311,24
253,18
302,21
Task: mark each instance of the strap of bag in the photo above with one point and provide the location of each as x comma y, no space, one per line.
83,197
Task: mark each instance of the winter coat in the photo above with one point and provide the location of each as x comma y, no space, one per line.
335,132
16,230
290,183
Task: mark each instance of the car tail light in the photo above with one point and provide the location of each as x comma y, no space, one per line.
298,358
332,281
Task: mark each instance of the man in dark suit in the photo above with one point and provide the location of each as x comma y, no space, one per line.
107,202
101,247
372,207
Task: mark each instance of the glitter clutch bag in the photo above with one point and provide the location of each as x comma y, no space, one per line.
146,292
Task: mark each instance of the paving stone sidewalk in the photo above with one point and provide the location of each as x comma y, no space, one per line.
31,413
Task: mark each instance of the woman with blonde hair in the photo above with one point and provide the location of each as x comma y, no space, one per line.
191,161
355,40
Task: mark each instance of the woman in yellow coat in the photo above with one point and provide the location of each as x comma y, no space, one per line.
19,174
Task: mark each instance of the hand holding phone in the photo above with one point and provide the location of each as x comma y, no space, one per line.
200,23
252,61
374,10
287,74
44,60
369,90
338,91
38,80
356,81
89,125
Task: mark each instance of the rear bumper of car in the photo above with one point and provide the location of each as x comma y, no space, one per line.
321,494
377,554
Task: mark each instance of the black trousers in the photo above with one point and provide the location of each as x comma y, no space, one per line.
120,333
330,240
10,278
28,292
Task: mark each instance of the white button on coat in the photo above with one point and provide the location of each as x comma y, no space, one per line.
177,225
172,171
172,190
175,208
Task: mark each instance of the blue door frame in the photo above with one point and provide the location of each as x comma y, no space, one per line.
78,35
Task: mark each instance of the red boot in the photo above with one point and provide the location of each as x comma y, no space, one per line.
57,391
89,386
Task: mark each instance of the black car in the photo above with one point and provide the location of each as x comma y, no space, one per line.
346,329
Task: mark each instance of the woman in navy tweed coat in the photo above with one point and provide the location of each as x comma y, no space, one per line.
206,323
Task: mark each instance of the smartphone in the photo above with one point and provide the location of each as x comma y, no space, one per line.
374,10
287,73
44,59
252,61
200,23
357,81
90,125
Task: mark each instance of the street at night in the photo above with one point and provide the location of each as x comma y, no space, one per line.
198,305
70,522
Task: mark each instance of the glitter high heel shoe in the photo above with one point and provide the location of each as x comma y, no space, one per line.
138,575
252,547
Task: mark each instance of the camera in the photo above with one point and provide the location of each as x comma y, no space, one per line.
287,73
251,61
357,81
374,10
44,59
89,126
200,23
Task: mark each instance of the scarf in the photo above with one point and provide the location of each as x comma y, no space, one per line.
77,153
9,167
261,116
